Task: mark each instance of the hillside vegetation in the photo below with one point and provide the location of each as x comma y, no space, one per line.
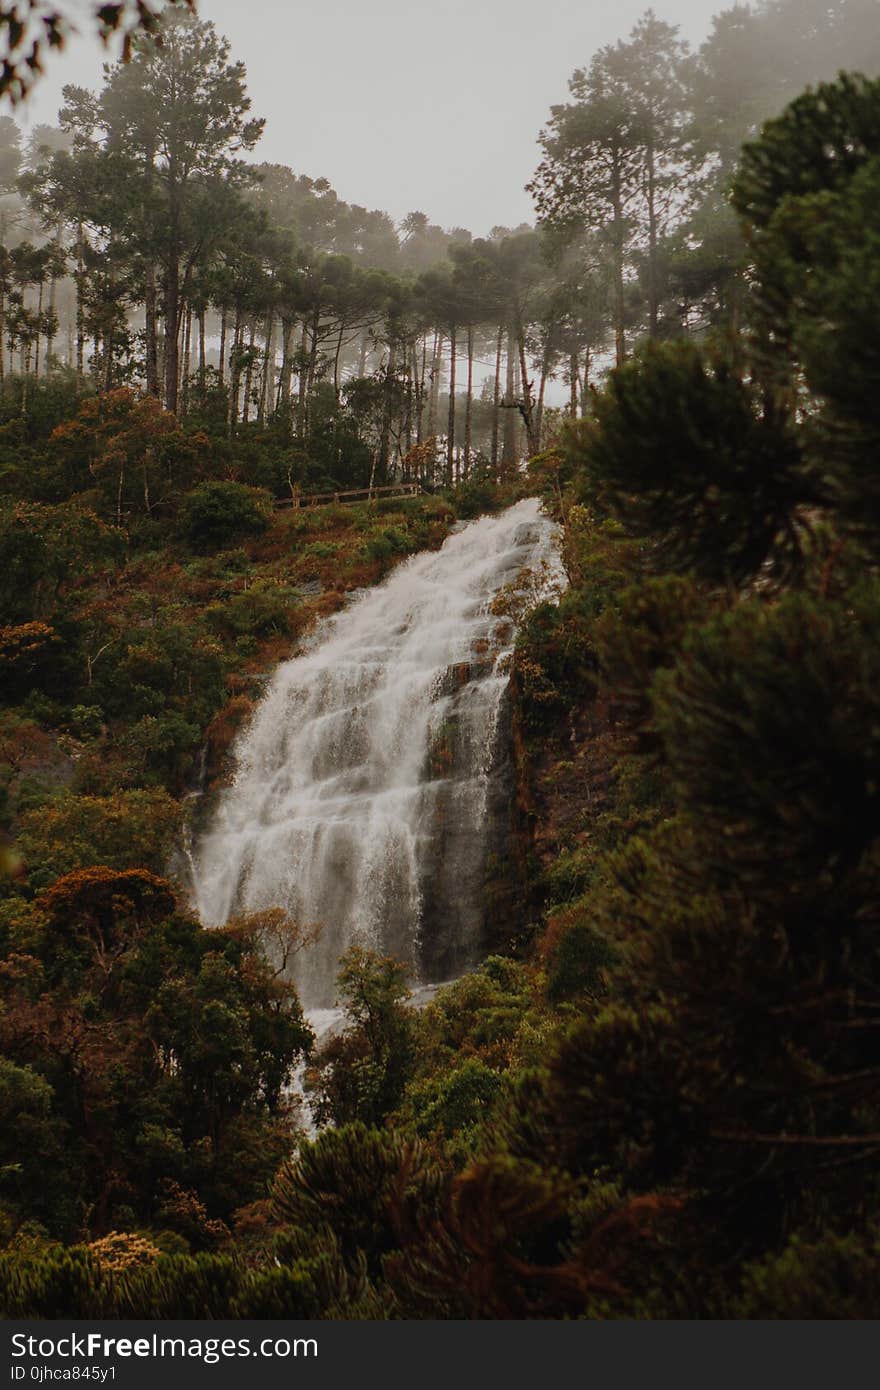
660,1096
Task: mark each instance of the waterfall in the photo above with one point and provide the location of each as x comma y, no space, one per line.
363,784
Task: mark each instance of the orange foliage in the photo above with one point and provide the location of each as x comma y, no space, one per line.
120,1251
117,422
225,725
100,894
22,643
23,744
119,430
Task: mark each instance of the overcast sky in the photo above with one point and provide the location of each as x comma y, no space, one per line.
405,104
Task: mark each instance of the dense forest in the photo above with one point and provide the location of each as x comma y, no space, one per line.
658,1094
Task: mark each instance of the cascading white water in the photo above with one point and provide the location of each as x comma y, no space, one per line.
361,787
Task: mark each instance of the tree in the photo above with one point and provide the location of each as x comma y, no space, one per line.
689,456
617,158
179,111
806,189
217,513
10,153
589,173
577,300
366,1187
30,27
162,1050
758,58
132,449
42,551
362,1071
136,829
655,65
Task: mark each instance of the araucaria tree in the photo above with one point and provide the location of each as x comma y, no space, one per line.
176,118
617,158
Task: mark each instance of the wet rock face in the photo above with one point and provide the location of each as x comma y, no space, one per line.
373,784
456,861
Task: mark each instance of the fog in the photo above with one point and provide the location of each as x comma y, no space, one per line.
405,104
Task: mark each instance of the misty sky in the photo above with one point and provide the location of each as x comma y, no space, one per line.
406,104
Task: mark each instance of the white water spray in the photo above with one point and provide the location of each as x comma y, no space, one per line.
362,783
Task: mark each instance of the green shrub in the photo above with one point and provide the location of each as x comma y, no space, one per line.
455,1100
771,725
216,513
130,829
688,455
830,1277
86,721
259,611
363,1184
385,542
578,962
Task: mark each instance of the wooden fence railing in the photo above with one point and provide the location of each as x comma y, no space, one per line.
359,494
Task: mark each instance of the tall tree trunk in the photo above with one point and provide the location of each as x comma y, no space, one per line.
434,398
234,375
223,327
384,458
249,374
573,380
80,313
314,335
54,320
496,401
161,334
468,403
202,354
618,240
268,366
148,459
525,393
508,447
303,376
653,268
539,409
39,328
187,351
450,428
337,385
409,358
287,326
420,394
108,360
172,333
151,346
51,322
